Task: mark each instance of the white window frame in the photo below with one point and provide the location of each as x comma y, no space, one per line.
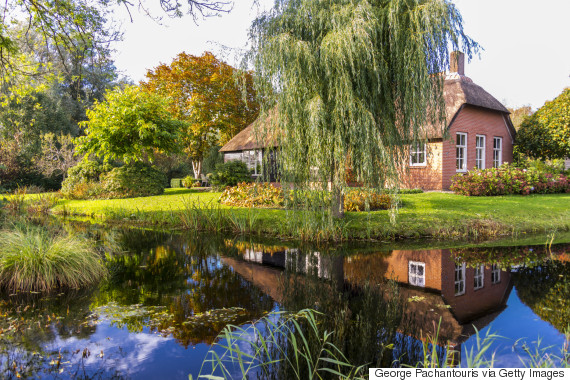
418,151
463,148
497,152
459,280
495,274
479,277
414,278
253,159
480,151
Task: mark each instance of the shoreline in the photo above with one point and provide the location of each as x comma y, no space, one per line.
434,216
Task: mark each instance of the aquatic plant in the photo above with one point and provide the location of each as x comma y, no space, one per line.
280,349
32,259
15,201
43,203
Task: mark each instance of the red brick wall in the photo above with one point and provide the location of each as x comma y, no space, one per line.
426,177
475,121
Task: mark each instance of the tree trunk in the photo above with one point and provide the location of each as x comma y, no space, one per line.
197,168
337,202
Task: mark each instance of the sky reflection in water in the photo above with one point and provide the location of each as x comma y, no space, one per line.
168,296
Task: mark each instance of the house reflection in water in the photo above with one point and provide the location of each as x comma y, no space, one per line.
433,285
436,287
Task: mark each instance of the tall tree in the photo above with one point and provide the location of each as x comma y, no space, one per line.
546,134
130,126
355,82
519,114
52,99
210,96
79,25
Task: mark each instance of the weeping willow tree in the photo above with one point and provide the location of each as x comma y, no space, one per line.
354,82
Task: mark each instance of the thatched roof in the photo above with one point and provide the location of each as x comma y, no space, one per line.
259,134
458,91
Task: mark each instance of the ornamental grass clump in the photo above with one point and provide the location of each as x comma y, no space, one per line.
507,180
32,259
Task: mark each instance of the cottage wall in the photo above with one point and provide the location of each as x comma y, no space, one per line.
475,121
427,177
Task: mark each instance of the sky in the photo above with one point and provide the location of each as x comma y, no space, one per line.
525,58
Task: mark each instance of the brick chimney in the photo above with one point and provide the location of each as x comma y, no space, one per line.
457,62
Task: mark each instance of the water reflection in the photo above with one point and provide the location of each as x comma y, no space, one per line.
168,296
453,292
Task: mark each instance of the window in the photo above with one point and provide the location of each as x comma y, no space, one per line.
480,152
461,152
418,154
478,277
253,159
497,151
459,279
495,274
417,273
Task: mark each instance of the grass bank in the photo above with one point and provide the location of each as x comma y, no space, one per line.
426,215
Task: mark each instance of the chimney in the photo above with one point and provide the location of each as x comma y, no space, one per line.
457,62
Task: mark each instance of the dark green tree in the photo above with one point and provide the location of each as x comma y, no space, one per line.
546,134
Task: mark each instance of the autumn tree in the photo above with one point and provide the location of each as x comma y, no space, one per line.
546,134
518,115
130,126
354,80
210,96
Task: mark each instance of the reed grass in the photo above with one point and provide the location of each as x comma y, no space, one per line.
15,202
32,259
43,203
280,349
279,346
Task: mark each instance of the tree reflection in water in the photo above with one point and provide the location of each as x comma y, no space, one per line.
380,307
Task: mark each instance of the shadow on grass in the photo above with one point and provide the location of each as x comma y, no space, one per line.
182,190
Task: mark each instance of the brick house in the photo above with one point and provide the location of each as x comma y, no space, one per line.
478,134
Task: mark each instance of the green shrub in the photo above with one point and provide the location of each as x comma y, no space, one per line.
134,180
176,183
508,179
92,180
230,174
190,182
83,180
33,260
253,195
551,166
408,191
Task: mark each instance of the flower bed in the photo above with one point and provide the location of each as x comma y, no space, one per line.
252,195
508,179
265,195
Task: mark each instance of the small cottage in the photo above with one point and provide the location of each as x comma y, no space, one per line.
478,134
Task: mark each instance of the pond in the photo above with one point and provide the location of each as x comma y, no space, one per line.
168,296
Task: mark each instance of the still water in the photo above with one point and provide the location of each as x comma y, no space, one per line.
169,295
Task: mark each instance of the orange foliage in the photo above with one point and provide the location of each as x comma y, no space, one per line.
209,95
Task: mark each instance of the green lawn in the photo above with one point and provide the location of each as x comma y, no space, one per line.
440,215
